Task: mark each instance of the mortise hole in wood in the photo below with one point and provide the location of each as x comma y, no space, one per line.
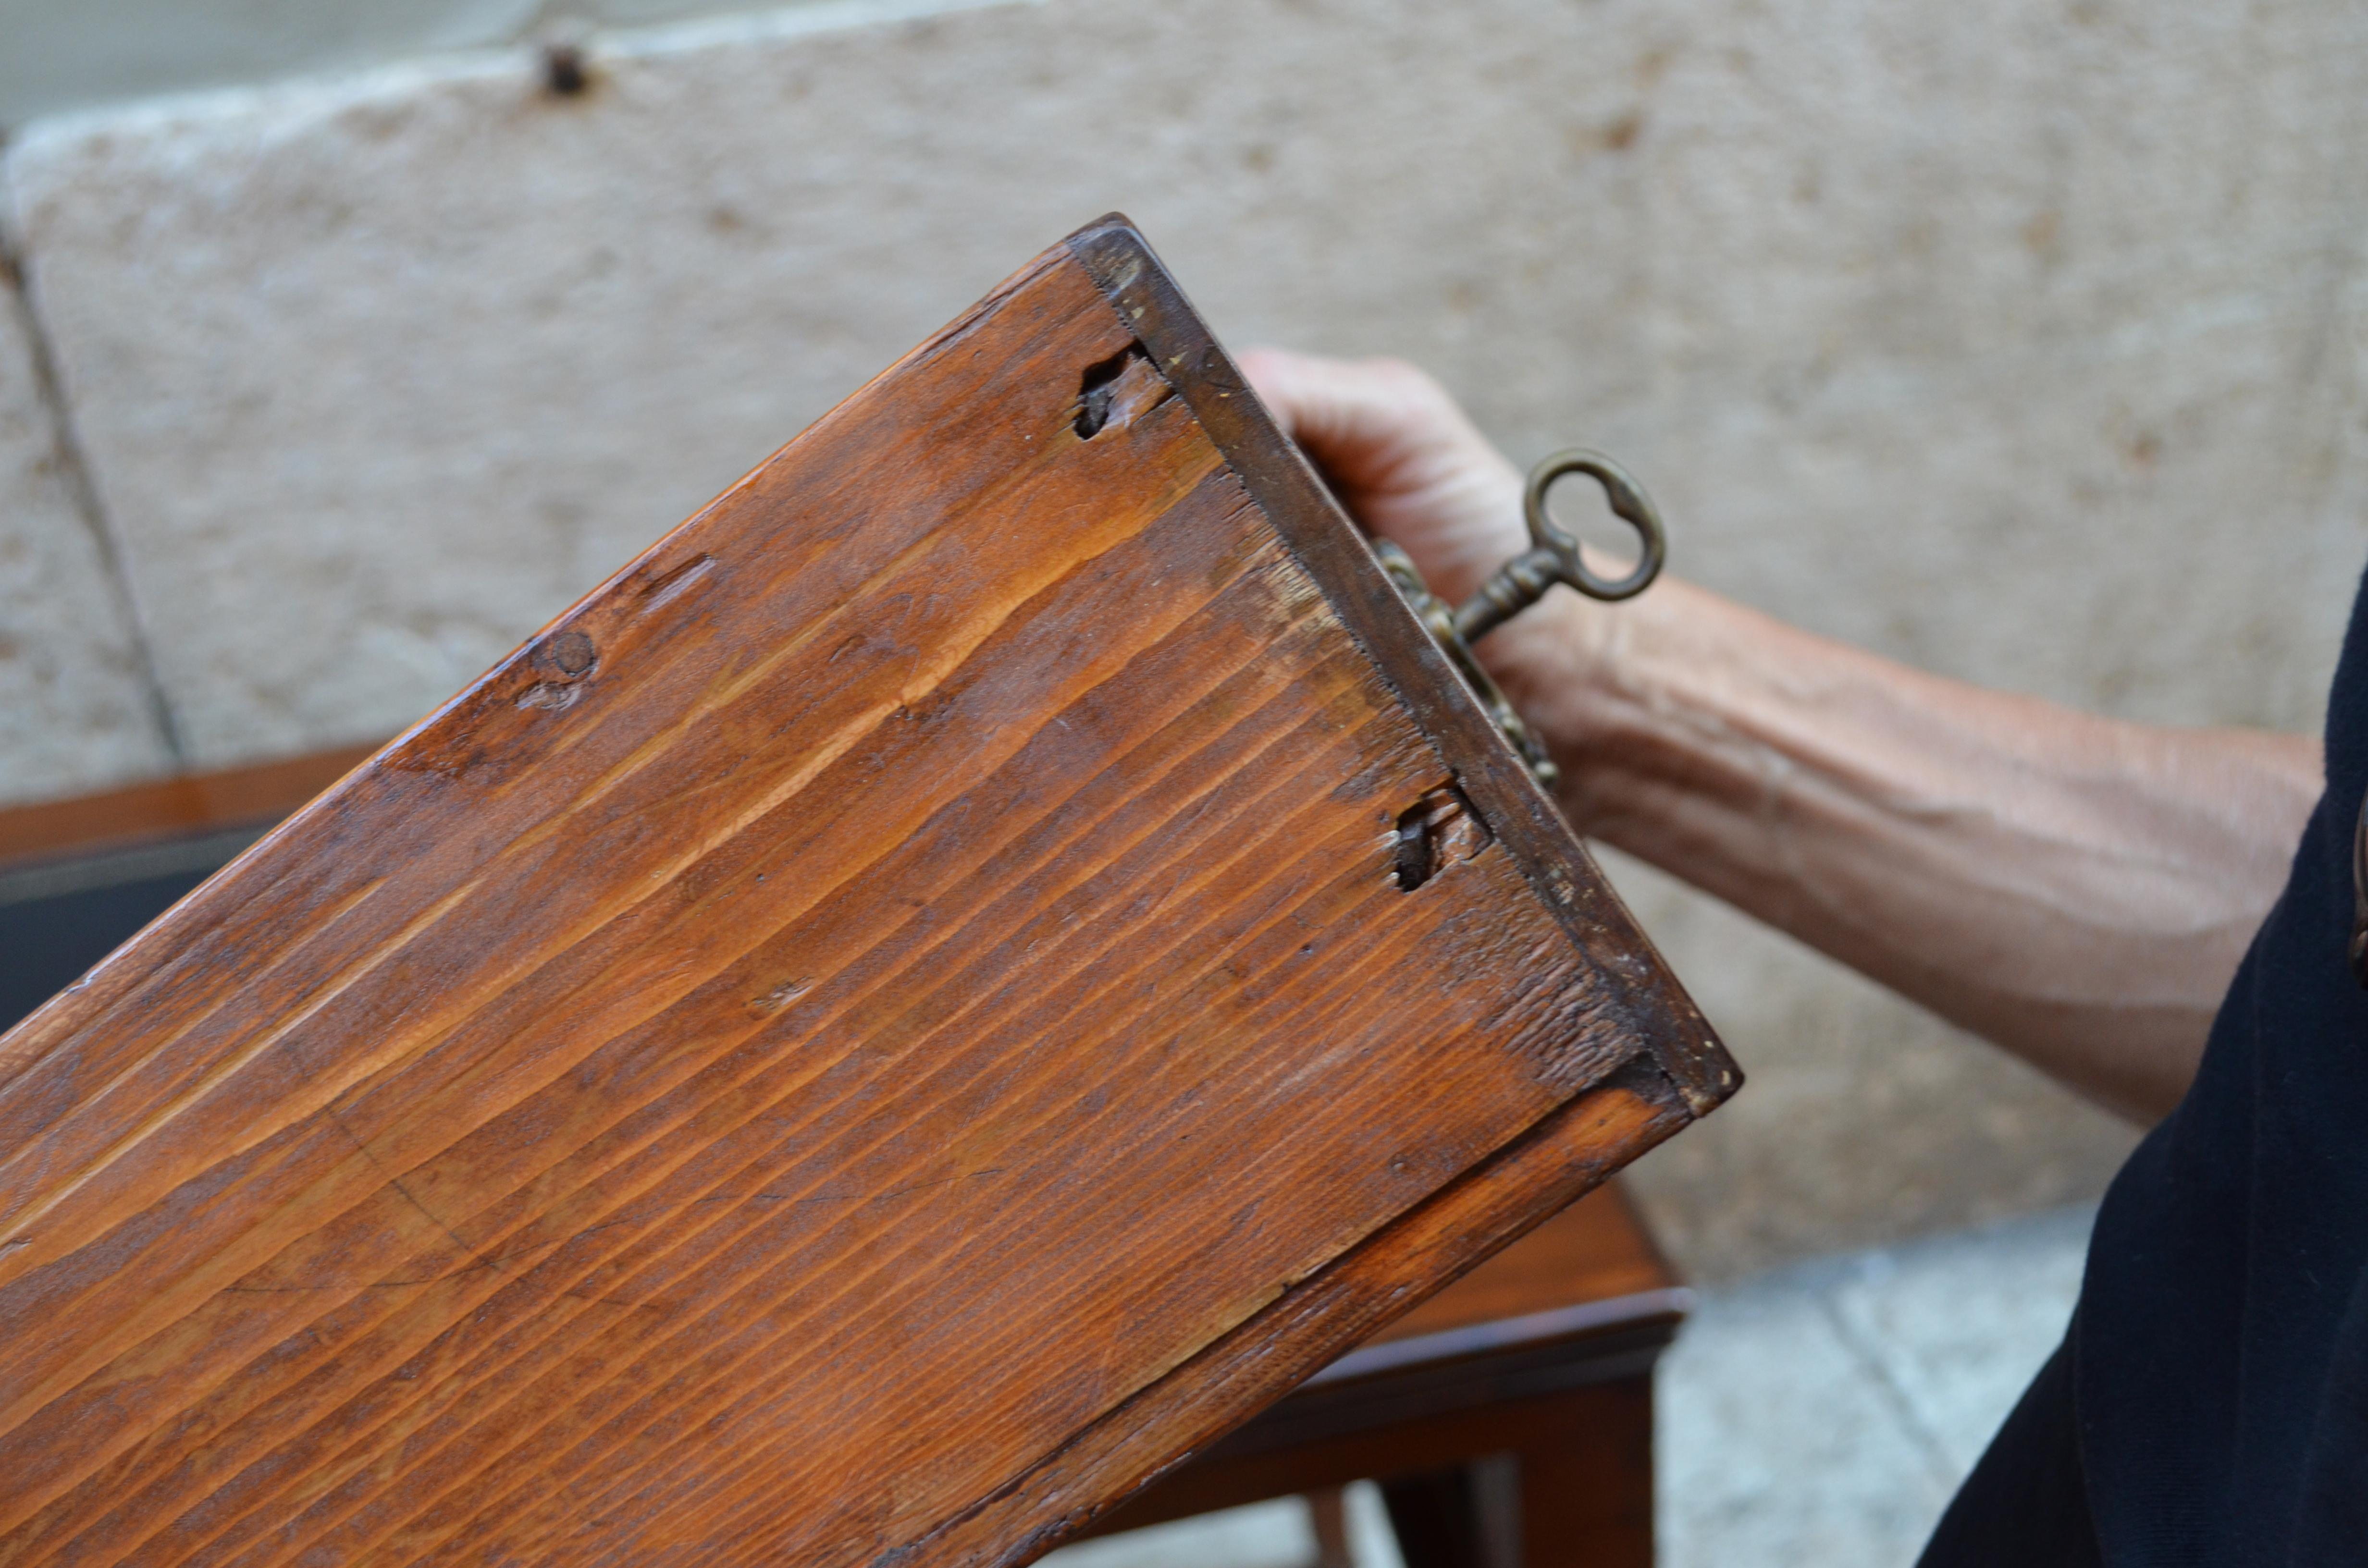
1094,391
1415,859
1118,391
1439,830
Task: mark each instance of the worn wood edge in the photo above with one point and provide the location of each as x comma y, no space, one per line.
1350,1411
1557,1161
1334,552
1626,1341
1390,1438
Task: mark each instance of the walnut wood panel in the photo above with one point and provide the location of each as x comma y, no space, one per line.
888,1023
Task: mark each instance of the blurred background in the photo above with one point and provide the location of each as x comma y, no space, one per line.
344,343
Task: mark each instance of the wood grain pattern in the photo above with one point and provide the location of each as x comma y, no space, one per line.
878,1030
1595,1251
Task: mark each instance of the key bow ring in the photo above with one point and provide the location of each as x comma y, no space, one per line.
1553,556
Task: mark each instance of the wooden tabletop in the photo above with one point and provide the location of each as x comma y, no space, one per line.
1582,1304
1586,1294
256,797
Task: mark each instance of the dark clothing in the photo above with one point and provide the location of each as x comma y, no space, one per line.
2026,1503
2216,1373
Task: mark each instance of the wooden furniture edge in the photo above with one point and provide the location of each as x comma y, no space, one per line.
1443,1346
1548,1341
1395,1451
1222,1387
185,804
1320,1415
1332,550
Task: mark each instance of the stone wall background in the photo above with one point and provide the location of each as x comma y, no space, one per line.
93,51
2021,341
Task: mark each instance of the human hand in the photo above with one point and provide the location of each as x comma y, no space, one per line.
1412,469
1403,458
2108,877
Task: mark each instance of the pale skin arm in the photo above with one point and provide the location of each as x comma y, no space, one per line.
2077,890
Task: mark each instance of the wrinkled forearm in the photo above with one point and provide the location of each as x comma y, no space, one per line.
2077,890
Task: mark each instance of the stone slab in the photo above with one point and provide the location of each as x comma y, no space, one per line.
64,57
75,714
1826,1414
1958,1325
103,52
1775,1447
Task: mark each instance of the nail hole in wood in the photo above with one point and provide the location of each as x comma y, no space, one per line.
572,652
1437,831
1416,861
